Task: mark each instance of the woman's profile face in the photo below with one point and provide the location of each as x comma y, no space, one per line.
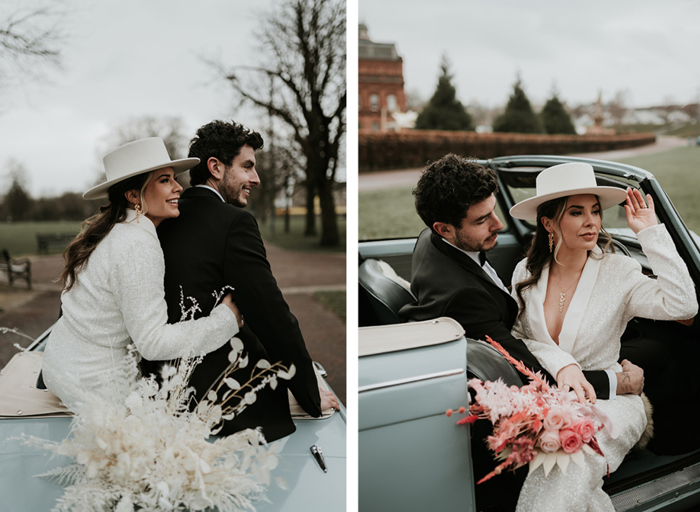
580,223
161,195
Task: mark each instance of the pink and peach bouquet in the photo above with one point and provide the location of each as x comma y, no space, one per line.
536,424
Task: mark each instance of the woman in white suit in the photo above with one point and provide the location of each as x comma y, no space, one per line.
113,293
575,302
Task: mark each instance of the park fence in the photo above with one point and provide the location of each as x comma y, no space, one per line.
416,148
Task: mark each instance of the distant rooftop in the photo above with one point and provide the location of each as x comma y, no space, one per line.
368,49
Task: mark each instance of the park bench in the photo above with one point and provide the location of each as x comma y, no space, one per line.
16,269
47,241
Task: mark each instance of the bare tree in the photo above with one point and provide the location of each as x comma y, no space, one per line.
29,44
170,129
617,107
303,43
278,166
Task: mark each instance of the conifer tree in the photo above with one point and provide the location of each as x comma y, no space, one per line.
518,116
444,111
555,118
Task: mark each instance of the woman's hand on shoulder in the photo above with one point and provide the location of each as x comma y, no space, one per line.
639,215
232,306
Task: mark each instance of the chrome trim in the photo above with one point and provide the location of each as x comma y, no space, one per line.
665,489
320,369
410,380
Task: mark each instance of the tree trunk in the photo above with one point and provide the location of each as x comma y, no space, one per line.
310,228
329,222
287,206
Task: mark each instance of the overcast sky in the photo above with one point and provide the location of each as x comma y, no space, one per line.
123,59
131,58
646,47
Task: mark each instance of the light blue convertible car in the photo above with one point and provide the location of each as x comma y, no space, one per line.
309,487
413,458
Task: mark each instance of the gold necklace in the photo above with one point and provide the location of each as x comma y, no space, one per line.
562,294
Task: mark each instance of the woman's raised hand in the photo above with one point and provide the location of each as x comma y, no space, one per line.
232,306
639,215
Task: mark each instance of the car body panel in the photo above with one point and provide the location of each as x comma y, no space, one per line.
308,487
407,447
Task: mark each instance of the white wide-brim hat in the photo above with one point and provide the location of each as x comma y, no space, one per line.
566,180
134,158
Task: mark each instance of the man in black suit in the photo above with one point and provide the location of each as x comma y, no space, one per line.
215,243
455,198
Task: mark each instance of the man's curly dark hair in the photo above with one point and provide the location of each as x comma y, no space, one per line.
449,186
222,140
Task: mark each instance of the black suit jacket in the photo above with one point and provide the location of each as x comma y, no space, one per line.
212,244
447,282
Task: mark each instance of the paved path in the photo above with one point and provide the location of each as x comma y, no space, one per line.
663,143
298,275
409,177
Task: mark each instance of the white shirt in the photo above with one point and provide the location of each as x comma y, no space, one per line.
213,190
486,267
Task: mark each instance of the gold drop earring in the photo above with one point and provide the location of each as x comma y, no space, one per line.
551,242
138,214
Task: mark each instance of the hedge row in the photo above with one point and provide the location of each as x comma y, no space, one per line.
415,148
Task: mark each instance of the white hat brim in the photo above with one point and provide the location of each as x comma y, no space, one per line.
179,166
608,197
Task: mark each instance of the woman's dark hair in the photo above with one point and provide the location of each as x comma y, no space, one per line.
95,228
449,186
538,255
222,140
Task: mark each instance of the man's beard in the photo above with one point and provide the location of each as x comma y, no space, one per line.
236,202
469,244
232,196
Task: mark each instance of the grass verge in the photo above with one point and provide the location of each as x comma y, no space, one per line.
678,172
388,213
334,300
19,238
295,239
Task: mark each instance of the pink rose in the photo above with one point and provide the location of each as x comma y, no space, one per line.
557,418
571,442
585,429
549,441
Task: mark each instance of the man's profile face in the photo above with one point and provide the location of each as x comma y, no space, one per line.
239,178
479,228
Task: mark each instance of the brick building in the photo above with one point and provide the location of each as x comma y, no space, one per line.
380,86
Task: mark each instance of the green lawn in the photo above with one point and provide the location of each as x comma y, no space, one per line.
19,238
295,239
390,213
678,172
334,300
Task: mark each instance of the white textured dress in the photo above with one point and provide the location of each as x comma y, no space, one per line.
118,299
612,290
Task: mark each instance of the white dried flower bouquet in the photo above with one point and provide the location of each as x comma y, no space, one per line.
150,452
